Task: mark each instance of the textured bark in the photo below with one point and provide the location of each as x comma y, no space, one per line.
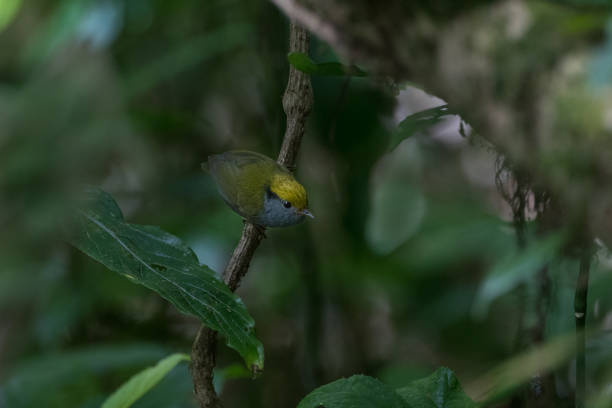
202,364
297,103
238,264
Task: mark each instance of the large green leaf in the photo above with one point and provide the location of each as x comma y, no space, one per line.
142,382
303,63
151,257
439,390
358,391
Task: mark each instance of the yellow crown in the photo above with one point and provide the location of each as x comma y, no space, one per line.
286,188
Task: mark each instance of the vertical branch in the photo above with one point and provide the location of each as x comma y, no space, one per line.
297,103
203,350
297,100
202,364
580,309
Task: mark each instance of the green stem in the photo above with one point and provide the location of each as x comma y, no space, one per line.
580,310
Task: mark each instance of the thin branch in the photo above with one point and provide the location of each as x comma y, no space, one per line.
580,310
203,350
297,100
202,364
297,103
238,264
297,12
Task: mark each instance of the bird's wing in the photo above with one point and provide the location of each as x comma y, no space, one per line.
240,179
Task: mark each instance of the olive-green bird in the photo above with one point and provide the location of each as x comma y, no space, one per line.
258,188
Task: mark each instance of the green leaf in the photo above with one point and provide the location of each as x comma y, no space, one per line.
142,382
151,257
514,269
8,10
358,391
303,63
418,122
439,390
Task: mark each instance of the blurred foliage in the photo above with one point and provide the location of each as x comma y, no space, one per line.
74,378
440,389
515,269
411,234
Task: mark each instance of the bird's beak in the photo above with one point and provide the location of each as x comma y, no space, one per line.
307,213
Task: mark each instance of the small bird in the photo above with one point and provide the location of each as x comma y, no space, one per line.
258,188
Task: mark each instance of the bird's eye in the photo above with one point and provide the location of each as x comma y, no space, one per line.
286,204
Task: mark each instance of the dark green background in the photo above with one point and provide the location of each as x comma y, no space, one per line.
132,96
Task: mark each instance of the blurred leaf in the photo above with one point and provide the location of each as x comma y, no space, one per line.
175,390
439,390
160,261
603,399
71,377
355,392
514,269
601,65
449,236
187,55
59,28
93,24
8,10
231,372
398,206
303,63
498,382
142,382
587,3
418,122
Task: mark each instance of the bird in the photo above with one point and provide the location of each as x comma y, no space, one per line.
258,188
